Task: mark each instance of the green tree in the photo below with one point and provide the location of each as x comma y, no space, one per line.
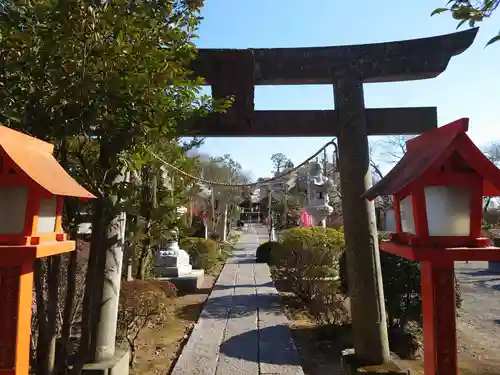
471,12
287,208
280,162
103,81
227,170
156,193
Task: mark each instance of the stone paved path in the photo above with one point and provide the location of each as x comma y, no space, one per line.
241,330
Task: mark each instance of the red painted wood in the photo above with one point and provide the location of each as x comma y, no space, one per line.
433,150
397,213
439,311
445,320
409,239
420,214
476,210
435,254
9,297
442,157
428,313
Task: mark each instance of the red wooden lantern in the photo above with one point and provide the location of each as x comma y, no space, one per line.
438,189
32,188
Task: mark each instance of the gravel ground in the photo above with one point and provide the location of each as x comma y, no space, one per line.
479,321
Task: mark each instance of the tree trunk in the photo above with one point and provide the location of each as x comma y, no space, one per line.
104,346
487,204
133,353
103,214
51,355
147,205
142,264
72,208
43,333
53,280
92,294
63,354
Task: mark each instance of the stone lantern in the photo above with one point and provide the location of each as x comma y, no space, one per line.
173,263
317,190
171,260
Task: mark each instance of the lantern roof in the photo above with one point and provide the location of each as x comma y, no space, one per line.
35,158
436,147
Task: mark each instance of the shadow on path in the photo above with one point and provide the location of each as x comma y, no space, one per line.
234,306
222,287
480,273
275,346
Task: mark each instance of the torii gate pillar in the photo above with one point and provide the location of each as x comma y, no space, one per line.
360,226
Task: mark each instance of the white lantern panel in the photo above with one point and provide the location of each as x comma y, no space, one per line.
448,210
390,221
406,213
13,201
47,216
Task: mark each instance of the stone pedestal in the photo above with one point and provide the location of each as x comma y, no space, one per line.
319,213
117,364
350,365
186,284
172,261
172,264
494,267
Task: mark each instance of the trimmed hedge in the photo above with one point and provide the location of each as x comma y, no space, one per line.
265,251
308,260
202,253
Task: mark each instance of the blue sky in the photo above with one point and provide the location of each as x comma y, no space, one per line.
470,87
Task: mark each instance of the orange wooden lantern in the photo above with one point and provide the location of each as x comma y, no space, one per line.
32,188
438,188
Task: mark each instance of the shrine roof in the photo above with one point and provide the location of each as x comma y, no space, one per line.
34,157
427,149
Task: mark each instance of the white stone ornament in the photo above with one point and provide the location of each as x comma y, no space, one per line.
180,211
318,187
173,261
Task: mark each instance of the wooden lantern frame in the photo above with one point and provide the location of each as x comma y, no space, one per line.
28,162
442,157
12,175
443,173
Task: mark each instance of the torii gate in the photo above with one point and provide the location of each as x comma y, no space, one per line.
232,72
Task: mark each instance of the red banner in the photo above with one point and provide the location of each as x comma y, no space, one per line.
305,219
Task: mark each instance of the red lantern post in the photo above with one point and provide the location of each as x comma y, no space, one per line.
438,188
32,190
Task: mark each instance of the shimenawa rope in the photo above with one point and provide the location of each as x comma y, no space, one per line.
226,184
